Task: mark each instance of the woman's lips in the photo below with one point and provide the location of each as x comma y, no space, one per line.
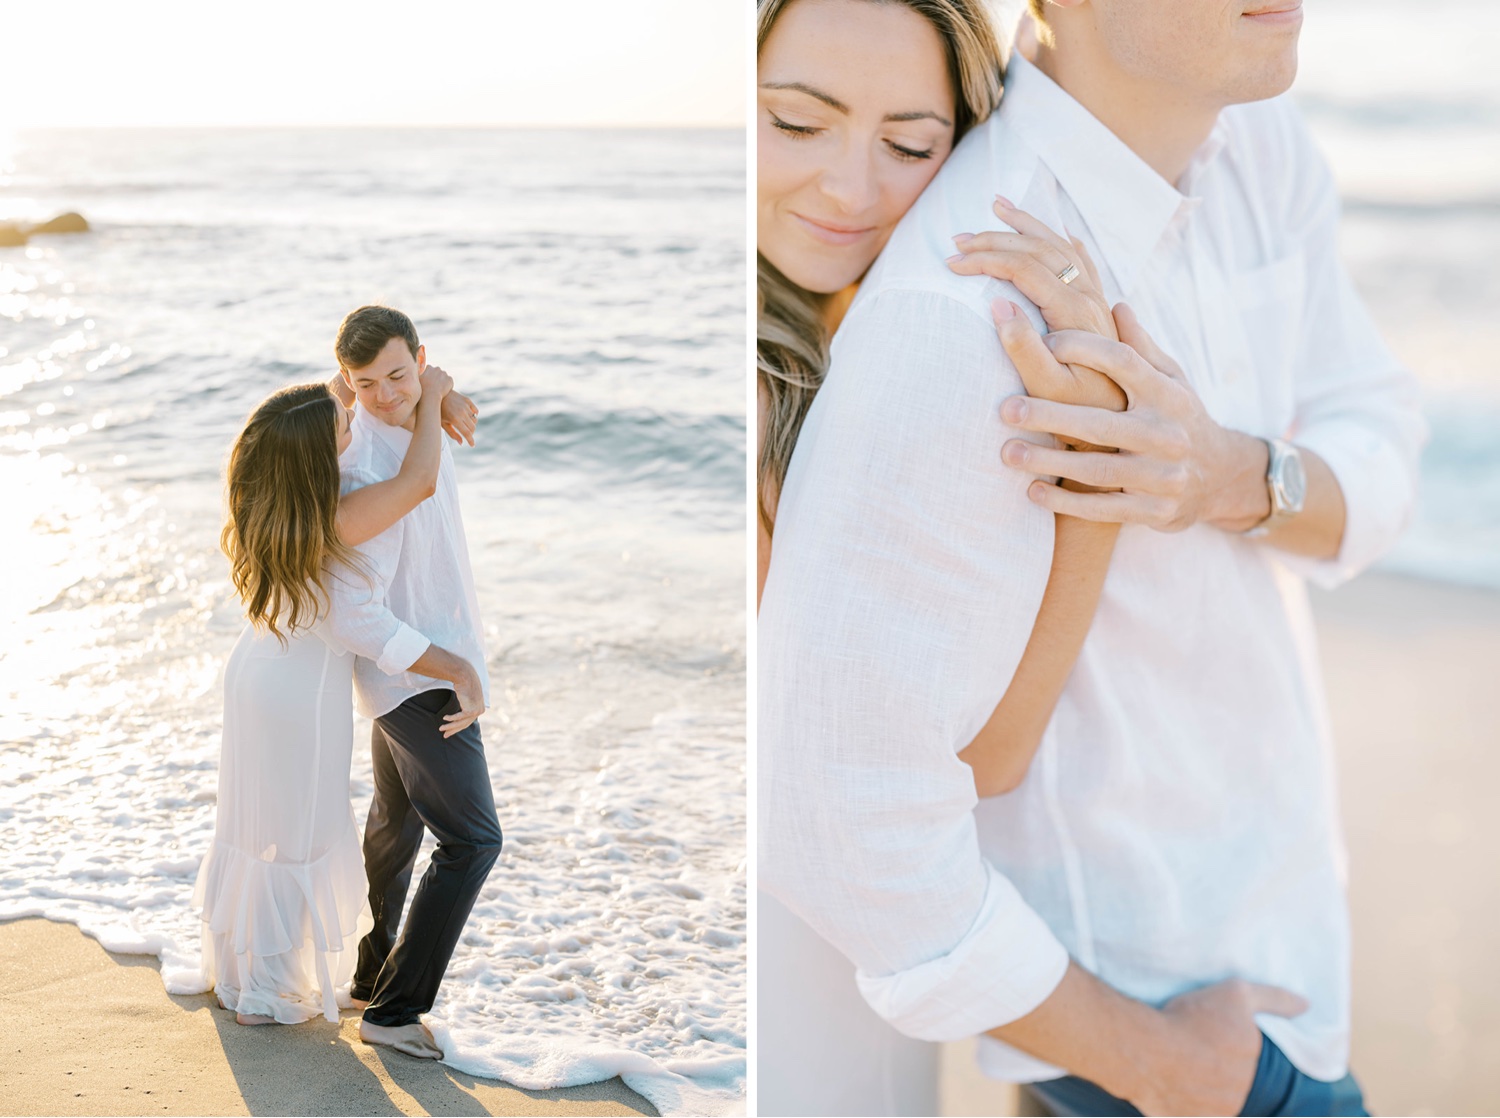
1282,13
834,234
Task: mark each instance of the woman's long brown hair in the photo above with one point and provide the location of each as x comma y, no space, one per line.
283,498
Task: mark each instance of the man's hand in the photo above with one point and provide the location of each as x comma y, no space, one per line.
1195,1055
470,702
1211,1047
460,417
1175,467
439,663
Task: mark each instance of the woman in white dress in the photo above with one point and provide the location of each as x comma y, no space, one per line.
282,891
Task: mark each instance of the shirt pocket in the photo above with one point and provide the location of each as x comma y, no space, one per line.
1271,300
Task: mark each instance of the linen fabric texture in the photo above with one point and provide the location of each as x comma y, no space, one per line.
416,588
1179,823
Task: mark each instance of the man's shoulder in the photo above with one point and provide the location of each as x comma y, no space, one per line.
1275,152
992,159
366,460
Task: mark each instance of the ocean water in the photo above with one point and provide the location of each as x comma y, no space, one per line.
1405,101
587,289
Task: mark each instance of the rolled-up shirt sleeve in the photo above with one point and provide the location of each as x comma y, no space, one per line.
360,618
1357,407
907,569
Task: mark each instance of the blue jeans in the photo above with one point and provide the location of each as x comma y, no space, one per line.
1279,1088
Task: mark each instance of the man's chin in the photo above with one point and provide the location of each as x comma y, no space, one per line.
395,418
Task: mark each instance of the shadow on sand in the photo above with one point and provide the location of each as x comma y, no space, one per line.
319,1068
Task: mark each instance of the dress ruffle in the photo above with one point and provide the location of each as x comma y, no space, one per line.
271,929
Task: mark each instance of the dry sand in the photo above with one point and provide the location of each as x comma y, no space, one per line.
89,1032
1413,676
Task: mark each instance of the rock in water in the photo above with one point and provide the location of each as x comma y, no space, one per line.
63,223
11,236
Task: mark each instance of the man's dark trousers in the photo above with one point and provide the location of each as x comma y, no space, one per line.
422,779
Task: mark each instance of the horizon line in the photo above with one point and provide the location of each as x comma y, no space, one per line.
446,125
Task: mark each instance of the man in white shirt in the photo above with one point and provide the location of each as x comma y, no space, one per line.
420,674
1159,908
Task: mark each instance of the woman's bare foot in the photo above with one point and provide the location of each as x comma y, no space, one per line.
253,1019
414,1039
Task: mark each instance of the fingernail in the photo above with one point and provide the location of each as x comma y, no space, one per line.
1002,200
954,259
1002,310
1013,453
1014,409
962,239
1034,491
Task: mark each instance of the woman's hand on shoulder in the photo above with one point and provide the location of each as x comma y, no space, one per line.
1059,276
460,417
1055,273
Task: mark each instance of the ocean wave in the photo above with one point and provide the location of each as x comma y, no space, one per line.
625,446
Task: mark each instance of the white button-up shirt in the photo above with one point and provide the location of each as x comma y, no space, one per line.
1179,823
420,589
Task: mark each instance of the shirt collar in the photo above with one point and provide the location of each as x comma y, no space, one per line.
1127,205
397,438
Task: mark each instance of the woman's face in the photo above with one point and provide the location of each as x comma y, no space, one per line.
855,115
343,426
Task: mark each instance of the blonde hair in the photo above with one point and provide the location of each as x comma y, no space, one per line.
283,500
791,344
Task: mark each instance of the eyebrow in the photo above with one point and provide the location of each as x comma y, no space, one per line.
802,87
834,103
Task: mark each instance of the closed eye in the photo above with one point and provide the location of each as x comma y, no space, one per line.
792,129
908,153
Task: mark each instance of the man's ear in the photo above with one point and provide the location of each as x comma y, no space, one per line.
349,380
421,359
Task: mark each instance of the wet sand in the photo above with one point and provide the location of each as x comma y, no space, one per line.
1413,676
90,1032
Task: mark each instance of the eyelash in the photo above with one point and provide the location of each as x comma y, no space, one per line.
797,131
802,132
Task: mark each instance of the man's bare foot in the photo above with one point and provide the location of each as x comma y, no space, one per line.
413,1039
253,1019
359,1003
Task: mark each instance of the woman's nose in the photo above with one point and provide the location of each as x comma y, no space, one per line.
850,180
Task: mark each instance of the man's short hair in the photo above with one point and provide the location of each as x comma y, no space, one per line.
365,332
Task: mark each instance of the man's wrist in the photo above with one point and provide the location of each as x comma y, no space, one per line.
1240,499
1143,1051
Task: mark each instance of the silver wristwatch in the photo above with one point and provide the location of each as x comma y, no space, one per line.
1286,481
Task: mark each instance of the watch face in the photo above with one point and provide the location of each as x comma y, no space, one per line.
1291,482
